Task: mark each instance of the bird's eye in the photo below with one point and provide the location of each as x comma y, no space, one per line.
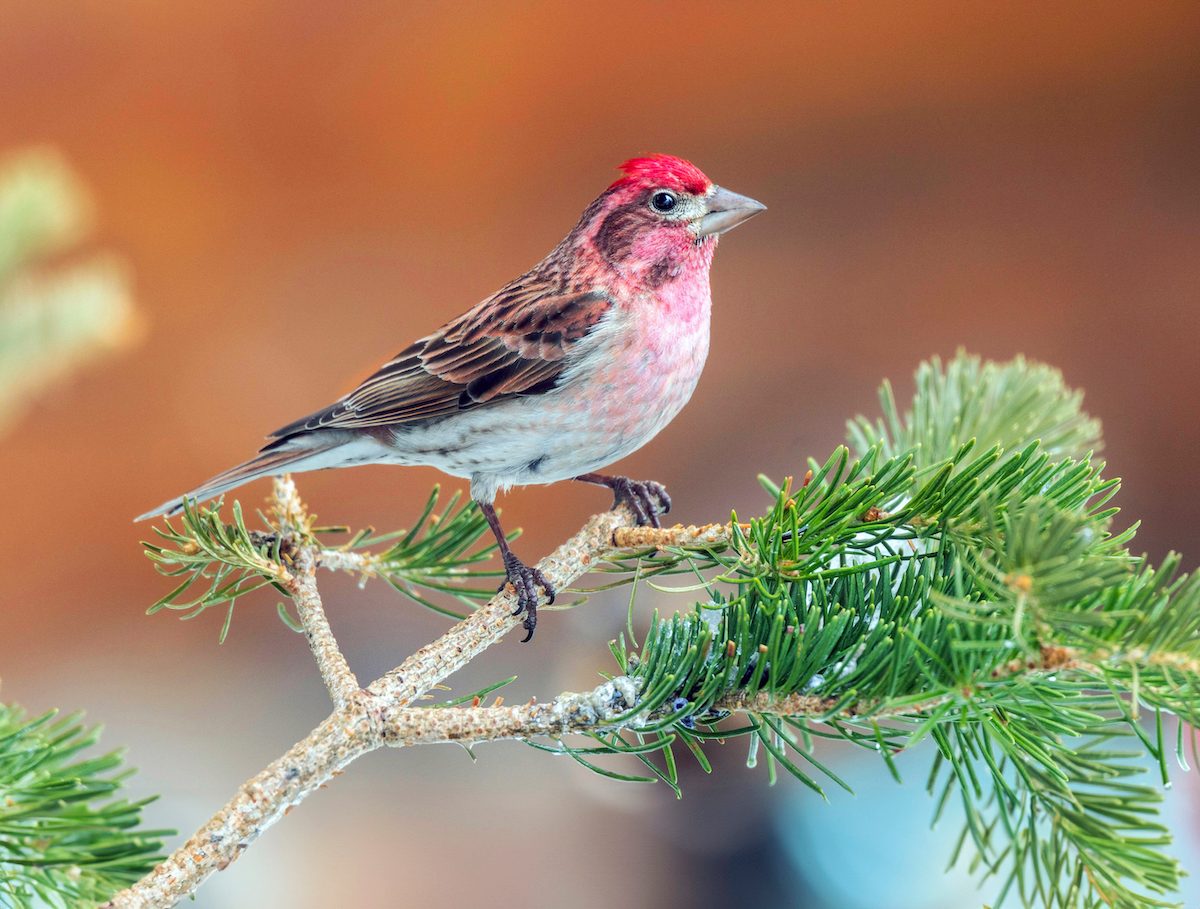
663,201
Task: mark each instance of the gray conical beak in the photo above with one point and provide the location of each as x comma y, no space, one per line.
726,210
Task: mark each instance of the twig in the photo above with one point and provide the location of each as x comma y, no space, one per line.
335,671
295,528
568,713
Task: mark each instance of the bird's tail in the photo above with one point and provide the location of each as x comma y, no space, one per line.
269,463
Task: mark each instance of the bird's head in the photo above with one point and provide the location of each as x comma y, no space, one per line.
661,219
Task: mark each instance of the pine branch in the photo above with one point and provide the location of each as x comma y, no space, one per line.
928,588
66,838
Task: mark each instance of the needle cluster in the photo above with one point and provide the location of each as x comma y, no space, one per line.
935,589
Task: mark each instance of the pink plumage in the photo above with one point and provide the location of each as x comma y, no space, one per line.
569,367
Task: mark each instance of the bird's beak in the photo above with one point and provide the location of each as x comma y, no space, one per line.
726,210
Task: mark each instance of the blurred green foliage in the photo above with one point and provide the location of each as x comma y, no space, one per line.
57,311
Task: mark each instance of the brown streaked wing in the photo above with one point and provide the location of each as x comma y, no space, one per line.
514,343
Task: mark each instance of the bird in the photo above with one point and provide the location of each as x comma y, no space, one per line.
571,366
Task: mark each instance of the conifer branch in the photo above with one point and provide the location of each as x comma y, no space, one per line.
66,837
611,706
927,588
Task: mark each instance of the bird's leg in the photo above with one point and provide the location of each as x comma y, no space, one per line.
647,498
525,580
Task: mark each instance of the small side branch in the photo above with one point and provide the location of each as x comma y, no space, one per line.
331,662
627,537
296,527
568,713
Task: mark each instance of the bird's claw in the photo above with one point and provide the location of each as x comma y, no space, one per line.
526,581
647,498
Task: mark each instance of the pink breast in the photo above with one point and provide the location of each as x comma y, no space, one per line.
652,372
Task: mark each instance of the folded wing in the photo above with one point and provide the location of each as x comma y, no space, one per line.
514,343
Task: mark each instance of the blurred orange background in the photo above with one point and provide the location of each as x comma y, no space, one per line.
301,189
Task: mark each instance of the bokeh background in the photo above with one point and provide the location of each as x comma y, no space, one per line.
300,189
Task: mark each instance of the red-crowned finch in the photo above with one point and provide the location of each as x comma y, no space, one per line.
573,365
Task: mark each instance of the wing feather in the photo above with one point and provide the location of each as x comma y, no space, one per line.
514,343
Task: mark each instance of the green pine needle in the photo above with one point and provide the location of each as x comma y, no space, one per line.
217,559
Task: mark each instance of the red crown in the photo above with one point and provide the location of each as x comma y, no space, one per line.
664,171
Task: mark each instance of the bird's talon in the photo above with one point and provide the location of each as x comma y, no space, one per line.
647,498
529,628
525,582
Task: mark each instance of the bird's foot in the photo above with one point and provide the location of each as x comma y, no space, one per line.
647,498
525,582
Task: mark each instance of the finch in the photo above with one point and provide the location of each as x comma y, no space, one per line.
573,365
